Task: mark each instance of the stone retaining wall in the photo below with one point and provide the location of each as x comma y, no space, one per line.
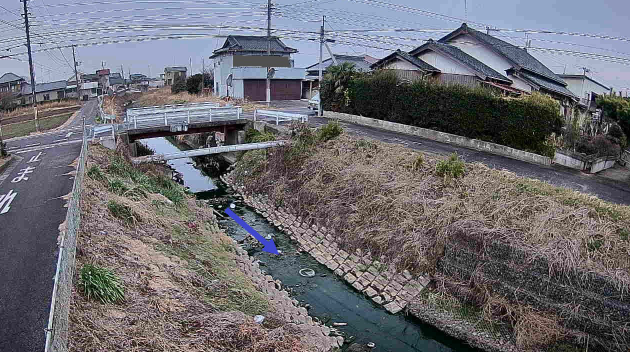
443,137
313,334
394,291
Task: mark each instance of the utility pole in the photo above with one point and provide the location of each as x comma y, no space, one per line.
30,63
268,81
203,75
76,77
321,52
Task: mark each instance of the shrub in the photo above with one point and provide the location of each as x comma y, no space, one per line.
523,123
101,284
117,186
617,109
193,84
121,212
3,149
255,136
605,146
179,85
329,131
95,173
450,168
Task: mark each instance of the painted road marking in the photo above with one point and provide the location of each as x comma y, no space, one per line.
5,201
60,140
48,146
35,158
22,174
69,134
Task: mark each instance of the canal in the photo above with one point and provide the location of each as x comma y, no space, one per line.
329,299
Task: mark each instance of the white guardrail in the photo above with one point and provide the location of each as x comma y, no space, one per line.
280,116
180,114
104,116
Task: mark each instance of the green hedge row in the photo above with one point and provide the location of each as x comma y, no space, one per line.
523,123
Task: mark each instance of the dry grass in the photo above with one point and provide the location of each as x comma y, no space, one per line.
28,110
163,96
378,197
183,291
390,201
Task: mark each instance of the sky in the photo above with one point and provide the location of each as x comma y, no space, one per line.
59,23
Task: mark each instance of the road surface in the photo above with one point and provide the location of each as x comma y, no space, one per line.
31,210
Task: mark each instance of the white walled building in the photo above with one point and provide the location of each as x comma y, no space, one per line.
240,69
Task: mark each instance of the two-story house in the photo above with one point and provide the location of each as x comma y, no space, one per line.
361,63
173,73
241,69
10,82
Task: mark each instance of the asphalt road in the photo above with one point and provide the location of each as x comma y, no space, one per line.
31,210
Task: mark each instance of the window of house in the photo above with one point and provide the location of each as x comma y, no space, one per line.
46,97
93,90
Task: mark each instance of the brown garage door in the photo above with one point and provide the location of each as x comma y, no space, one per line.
254,89
286,89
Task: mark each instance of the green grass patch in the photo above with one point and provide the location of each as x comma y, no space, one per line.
624,234
28,127
121,212
329,131
255,136
95,173
101,284
117,186
213,260
450,168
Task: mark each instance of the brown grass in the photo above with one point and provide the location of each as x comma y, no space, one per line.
388,200
28,110
377,197
163,96
183,291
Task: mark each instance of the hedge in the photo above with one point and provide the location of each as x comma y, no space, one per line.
479,113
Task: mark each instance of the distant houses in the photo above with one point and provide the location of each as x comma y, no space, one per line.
311,82
171,74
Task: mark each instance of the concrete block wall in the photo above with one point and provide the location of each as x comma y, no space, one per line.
443,137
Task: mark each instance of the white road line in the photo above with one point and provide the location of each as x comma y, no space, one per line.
49,146
60,140
31,145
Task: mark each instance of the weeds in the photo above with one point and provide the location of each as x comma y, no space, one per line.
101,284
623,234
255,136
117,186
3,149
329,131
451,168
95,173
121,212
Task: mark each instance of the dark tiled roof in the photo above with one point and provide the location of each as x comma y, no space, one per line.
236,43
10,77
116,80
402,55
175,69
547,84
518,56
483,71
44,87
361,62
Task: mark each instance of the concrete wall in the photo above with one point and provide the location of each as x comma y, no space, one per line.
566,159
582,87
448,138
602,164
583,162
445,64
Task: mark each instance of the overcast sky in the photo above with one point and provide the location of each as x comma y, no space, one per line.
606,18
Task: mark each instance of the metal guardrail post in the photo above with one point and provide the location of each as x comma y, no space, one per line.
277,120
135,122
188,116
165,120
238,113
210,114
255,112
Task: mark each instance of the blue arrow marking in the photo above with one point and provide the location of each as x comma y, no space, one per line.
269,246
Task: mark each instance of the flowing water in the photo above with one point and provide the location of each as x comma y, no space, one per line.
330,299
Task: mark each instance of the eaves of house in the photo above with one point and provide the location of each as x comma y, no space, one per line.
404,56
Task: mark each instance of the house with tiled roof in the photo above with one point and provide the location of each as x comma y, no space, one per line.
242,65
525,71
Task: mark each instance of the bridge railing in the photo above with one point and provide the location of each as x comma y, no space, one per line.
280,116
180,115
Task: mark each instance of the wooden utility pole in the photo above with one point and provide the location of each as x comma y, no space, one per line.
30,63
268,81
321,52
76,77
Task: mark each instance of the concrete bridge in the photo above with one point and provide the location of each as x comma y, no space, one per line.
173,120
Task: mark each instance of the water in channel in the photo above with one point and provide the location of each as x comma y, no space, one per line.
330,299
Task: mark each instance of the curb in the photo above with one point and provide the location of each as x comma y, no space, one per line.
7,164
